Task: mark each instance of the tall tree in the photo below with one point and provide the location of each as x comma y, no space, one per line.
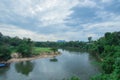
1,35
89,39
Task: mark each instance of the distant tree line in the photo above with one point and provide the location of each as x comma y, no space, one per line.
71,44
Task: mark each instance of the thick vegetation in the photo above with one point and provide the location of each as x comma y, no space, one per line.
9,45
71,44
24,47
73,78
108,49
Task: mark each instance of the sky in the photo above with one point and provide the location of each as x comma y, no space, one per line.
52,20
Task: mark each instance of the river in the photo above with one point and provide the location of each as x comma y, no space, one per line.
69,63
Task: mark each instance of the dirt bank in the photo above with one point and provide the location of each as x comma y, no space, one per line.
45,55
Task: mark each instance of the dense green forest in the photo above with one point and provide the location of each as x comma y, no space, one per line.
108,49
15,44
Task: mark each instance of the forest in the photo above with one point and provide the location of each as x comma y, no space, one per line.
9,45
108,48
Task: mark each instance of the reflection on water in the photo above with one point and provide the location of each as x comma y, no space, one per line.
3,72
24,67
68,64
54,59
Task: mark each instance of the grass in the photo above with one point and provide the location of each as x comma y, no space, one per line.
40,50
36,50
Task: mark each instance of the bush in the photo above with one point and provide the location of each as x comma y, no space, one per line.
73,78
54,49
5,53
107,65
25,50
101,77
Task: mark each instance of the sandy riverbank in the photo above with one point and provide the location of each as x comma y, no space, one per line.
33,58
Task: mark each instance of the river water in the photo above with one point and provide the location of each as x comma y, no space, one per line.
69,63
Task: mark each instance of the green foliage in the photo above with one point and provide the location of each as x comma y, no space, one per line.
4,53
1,35
71,44
100,49
73,78
107,65
116,74
108,48
89,39
15,41
54,49
25,48
39,50
116,54
8,45
101,77
5,49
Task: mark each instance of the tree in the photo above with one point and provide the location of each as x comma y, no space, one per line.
25,48
116,74
109,38
5,53
54,49
16,41
109,47
101,77
73,78
1,35
89,39
107,35
107,65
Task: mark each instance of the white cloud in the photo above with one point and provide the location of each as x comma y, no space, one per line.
87,3
107,16
106,1
103,27
13,31
49,19
47,12
56,12
69,34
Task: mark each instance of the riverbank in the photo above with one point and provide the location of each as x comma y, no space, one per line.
44,55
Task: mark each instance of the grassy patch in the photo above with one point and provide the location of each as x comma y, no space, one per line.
39,50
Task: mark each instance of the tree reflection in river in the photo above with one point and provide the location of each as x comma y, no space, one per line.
24,67
54,59
3,72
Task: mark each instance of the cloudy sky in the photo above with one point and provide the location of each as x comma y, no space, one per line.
52,20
